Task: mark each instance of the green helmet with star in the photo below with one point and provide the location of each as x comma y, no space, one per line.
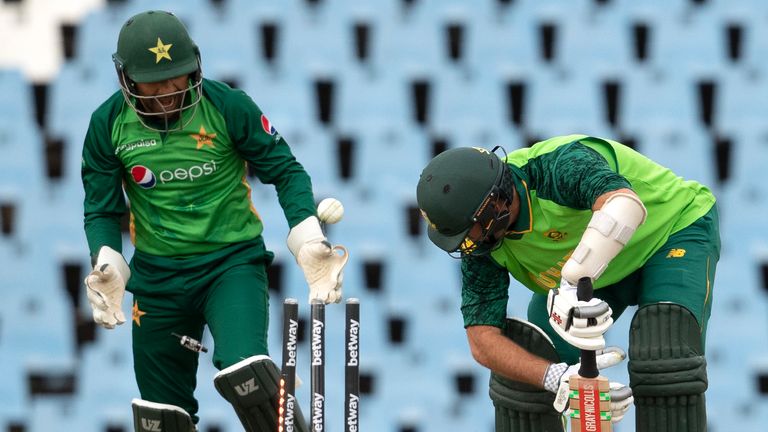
154,46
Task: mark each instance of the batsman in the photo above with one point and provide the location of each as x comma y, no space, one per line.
177,146
567,208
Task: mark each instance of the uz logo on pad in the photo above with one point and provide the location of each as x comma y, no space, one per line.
247,387
150,425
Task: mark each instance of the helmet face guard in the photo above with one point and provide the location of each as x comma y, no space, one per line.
153,47
492,218
191,97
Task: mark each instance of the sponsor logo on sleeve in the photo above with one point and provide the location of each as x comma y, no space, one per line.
267,125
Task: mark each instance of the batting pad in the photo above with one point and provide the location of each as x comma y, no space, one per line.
522,407
667,369
252,387
157,417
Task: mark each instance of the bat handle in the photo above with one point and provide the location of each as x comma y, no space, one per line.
584,289
588,368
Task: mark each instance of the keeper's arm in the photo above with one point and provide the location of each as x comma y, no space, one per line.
102,178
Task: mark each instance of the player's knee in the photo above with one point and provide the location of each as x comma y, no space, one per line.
666,353
226,356
252,386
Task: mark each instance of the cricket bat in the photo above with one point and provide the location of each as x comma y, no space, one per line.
590,395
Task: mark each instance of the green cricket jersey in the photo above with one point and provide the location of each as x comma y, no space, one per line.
187,188
557,181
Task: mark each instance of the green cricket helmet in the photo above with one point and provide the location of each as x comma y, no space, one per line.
154,46
459,188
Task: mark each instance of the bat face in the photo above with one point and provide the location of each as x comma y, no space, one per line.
590,404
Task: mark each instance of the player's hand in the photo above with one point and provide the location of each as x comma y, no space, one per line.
580,323
621,400
105,287
323,267
621,395
322,263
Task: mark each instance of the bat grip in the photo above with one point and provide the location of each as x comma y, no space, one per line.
588,368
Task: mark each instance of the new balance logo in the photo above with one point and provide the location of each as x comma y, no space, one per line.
676,253
150,425
247,387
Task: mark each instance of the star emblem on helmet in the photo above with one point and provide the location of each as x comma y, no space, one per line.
162,51
203,138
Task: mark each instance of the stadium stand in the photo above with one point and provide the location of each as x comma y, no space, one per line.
366,93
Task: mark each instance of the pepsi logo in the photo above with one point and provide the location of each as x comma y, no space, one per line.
267,125
143,176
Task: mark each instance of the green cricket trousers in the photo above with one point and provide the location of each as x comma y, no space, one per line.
225,289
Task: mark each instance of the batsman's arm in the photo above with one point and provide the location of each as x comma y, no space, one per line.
495,351
583,175
484,297
617,215
600,200
575,175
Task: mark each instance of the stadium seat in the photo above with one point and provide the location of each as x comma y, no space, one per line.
519,71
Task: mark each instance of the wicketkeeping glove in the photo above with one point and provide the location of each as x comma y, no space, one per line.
557,377
105,287
580,323
322,263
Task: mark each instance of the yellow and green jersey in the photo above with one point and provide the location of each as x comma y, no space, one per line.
557,181
187,188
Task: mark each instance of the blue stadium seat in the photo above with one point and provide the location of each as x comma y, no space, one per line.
315,149
16,106
37,327
563,103
373,104
106,382
687,152
461,103
598,37
691,44
505,38
21,168
373,99
409,37
657,100
741,107
744,199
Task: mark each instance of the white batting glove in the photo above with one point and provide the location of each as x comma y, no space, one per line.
571,318
105,287
621,400
321,263
556,380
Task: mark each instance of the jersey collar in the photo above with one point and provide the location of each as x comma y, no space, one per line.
524,222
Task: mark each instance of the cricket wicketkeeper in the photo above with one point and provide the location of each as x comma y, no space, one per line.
177,145
565,208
